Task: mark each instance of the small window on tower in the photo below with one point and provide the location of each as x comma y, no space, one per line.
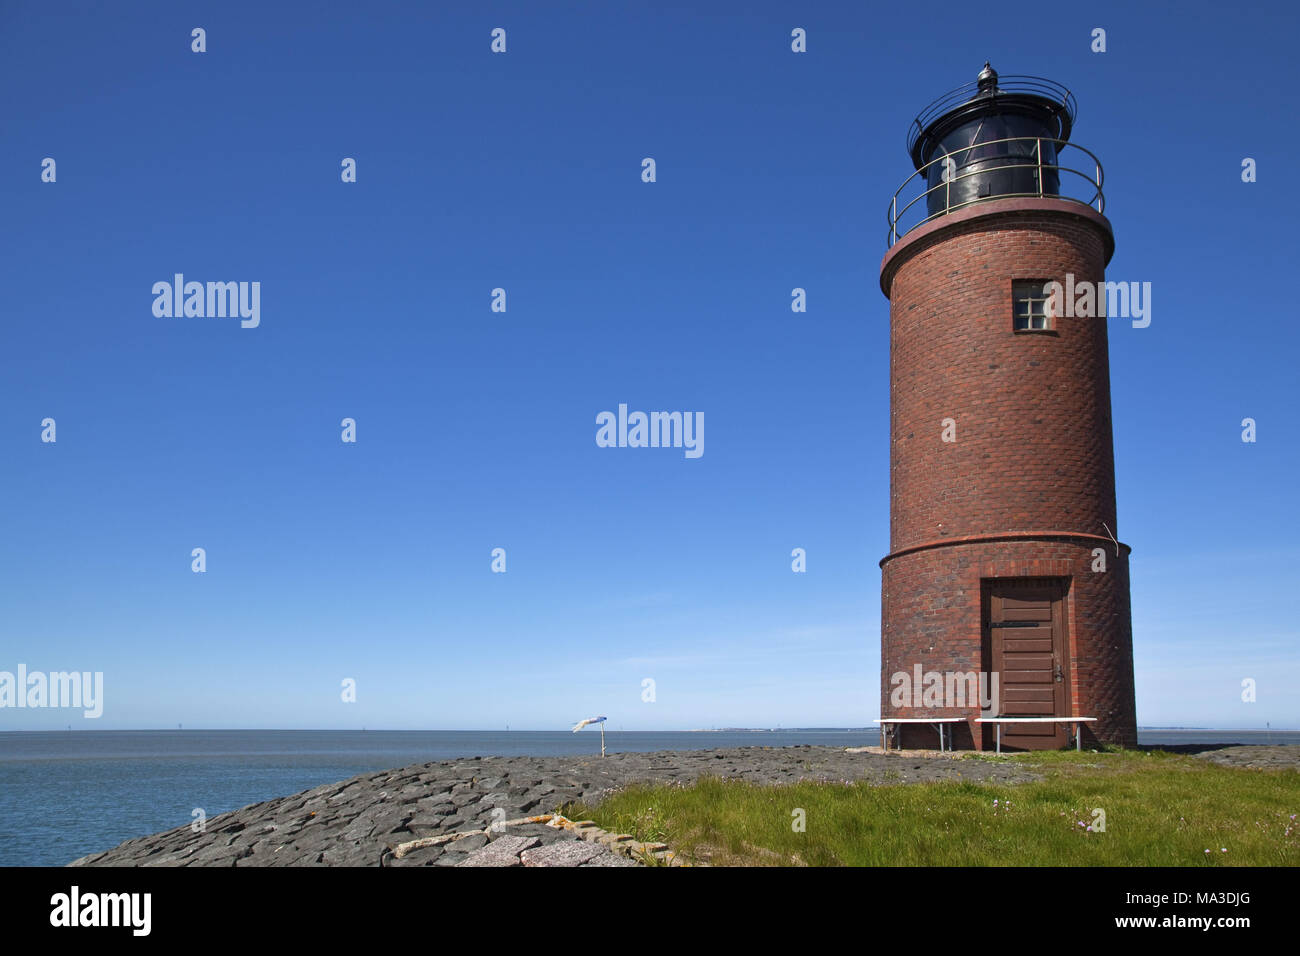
1031,305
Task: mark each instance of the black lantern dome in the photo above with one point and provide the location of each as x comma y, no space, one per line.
995,137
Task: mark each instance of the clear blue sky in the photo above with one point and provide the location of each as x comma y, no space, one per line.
476,429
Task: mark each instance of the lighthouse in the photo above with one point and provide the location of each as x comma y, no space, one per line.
1006,570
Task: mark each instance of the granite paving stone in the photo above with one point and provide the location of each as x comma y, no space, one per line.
564,853
501,852
610,859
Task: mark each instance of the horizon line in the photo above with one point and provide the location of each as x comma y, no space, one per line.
836,728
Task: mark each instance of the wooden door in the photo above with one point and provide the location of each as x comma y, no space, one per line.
1025,634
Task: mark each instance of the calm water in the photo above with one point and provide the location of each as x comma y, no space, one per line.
64,794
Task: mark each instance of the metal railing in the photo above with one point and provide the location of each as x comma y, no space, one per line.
991,166
1007,85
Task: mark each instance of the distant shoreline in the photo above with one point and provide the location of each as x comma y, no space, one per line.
556,730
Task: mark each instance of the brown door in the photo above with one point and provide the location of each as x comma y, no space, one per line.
1025,631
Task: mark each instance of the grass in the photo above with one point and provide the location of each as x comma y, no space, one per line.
1160,810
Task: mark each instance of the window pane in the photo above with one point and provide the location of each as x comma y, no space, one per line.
1029,305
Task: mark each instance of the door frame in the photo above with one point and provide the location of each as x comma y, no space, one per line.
995,588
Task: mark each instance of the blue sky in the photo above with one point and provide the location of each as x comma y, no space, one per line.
372,561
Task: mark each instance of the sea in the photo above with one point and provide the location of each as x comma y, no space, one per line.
65,794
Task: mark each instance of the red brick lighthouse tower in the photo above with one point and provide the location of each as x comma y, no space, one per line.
1003,559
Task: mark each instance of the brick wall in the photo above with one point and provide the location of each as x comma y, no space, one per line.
1028,487
931,615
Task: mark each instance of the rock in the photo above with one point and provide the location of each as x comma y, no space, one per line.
425,824
469,843
610,859
540,831
425,856
566,853
458,823
501,852
434,806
